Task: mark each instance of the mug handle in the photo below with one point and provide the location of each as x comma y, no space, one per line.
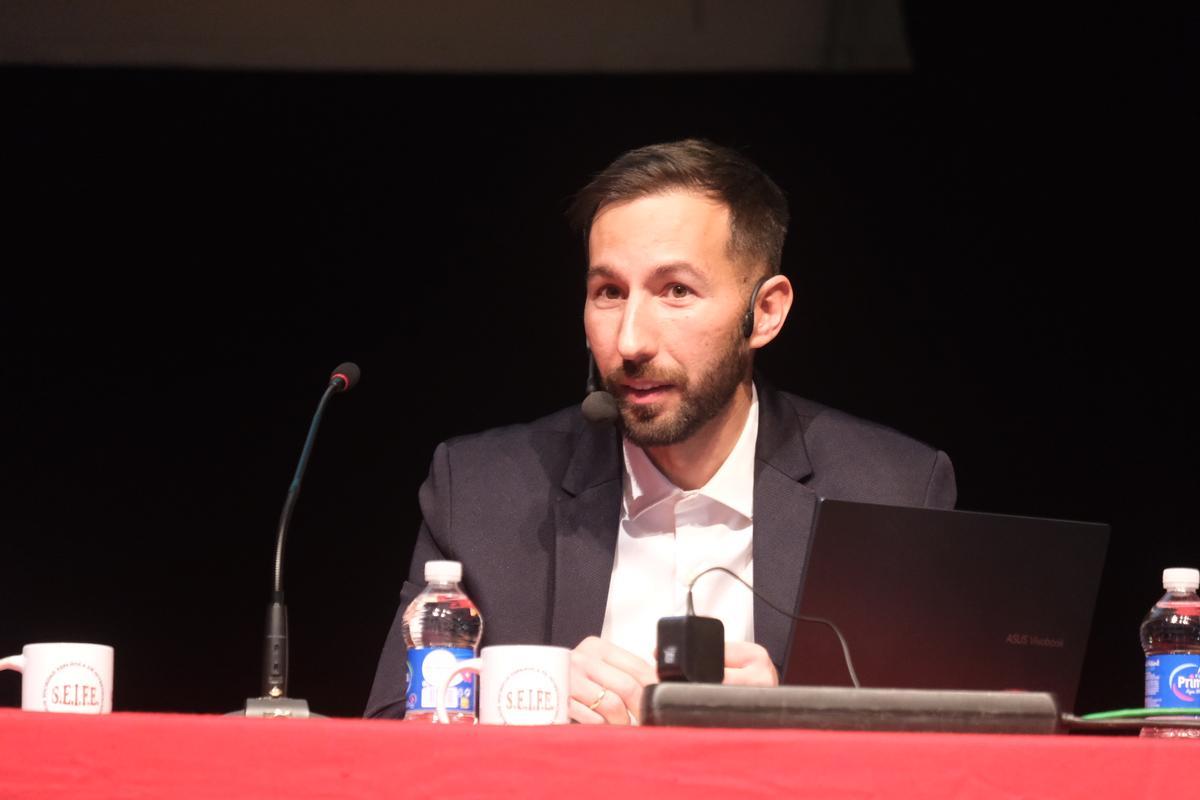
15,663
470,665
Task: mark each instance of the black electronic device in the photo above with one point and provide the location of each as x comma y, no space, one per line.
692,649
837,708
956,621
939,599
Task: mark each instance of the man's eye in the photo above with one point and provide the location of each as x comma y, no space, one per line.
679,291
608,292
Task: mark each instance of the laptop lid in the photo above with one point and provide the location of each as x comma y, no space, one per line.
936,599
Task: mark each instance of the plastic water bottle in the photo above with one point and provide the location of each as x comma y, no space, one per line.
1171,640
441,627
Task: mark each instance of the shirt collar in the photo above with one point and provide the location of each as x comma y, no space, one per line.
732,486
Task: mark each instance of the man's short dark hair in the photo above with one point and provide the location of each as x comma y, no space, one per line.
758,211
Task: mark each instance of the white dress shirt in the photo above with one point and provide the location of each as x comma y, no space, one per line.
667,536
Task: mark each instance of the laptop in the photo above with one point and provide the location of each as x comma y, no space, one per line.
935,599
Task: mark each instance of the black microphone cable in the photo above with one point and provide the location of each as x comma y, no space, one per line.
691,611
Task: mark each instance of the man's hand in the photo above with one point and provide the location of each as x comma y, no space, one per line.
747,664
602,671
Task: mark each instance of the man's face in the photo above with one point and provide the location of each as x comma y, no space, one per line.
663,313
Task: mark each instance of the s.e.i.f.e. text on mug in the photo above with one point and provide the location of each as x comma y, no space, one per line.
519,684
64,677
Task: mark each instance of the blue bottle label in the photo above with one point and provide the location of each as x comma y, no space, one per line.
428,668
1173,680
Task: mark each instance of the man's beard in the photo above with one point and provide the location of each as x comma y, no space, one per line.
700,400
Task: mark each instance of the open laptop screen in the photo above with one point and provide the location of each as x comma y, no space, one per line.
936,599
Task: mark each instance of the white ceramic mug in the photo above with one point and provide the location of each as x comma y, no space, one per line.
519,684
67,677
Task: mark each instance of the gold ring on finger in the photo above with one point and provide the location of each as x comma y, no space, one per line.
599,699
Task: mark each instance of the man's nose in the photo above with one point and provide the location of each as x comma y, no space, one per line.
637,339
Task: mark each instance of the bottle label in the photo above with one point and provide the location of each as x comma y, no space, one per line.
428,668
1173,680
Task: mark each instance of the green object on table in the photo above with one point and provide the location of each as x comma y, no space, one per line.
1143,713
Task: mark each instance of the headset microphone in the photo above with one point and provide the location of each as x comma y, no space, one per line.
748,319
599,406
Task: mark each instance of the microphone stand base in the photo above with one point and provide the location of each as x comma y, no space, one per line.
275,708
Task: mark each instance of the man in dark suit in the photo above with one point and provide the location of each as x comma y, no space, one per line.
582,534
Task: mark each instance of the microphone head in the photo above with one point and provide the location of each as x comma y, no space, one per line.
600,407
349,373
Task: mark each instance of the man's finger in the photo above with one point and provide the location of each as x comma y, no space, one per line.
623,686
602,665
741,654
601,689
637,668
640,669
583,714
749,664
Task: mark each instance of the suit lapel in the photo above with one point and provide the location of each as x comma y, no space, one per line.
783,513
586,516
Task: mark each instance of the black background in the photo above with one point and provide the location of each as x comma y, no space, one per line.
991,254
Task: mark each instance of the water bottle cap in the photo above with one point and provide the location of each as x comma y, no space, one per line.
1183,578
443,571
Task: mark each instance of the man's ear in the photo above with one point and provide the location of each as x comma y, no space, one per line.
770,308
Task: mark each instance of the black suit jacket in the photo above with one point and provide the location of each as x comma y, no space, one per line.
532,513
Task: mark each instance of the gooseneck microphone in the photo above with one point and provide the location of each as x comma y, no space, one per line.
274,701
599,406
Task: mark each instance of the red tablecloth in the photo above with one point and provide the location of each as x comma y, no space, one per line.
180,756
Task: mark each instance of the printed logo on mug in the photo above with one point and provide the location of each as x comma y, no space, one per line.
65,677
519,684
